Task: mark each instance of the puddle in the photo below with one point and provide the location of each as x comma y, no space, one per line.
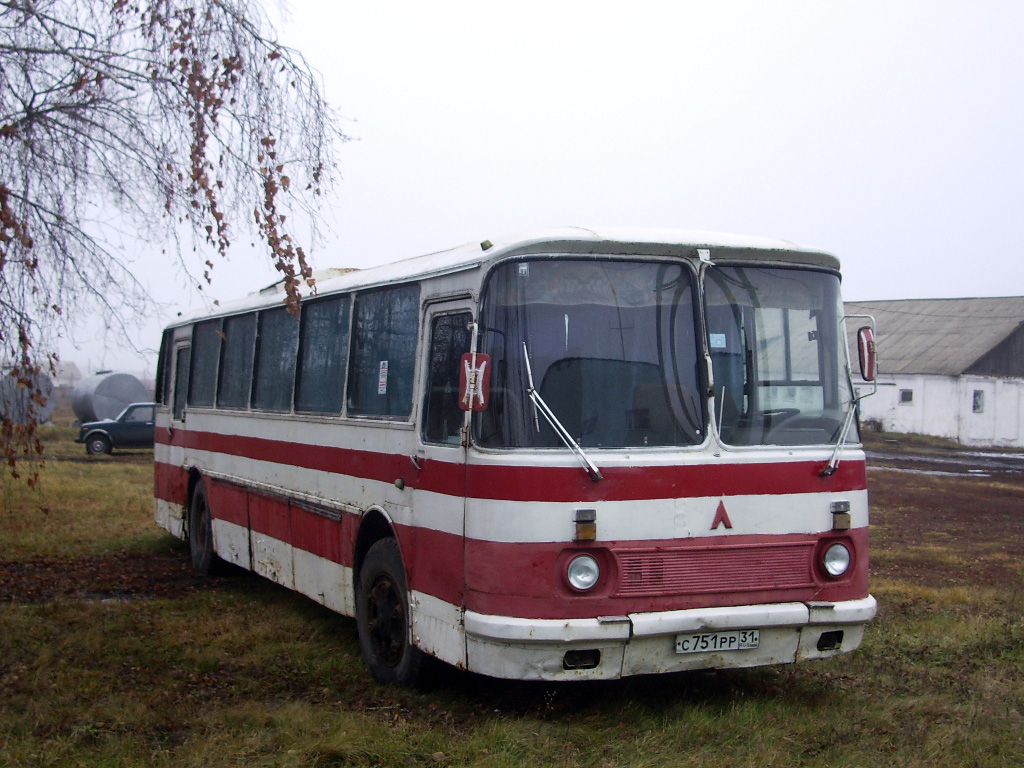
963,464
939,472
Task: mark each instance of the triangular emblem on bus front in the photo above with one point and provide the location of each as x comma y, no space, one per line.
721,517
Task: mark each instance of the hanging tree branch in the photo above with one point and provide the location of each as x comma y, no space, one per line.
168,114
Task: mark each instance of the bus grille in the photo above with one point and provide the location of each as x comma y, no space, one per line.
715,569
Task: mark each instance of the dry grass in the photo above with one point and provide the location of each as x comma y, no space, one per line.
82,505
238,672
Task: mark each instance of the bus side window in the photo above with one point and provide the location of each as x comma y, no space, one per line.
202,385
181,377
274,370
385,326
449,340
163,367
236,355
323,355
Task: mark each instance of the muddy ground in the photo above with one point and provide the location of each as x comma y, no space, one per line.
939,517
945,516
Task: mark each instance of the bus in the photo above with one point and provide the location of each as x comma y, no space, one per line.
571,455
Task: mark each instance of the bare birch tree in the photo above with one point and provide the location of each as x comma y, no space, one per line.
171,115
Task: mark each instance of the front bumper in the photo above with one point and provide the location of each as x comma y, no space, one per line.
644,643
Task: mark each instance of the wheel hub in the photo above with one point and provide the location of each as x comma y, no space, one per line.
386,623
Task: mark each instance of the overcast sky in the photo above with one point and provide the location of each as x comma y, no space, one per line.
887,133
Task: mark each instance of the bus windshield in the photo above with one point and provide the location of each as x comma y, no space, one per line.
613,351
777,354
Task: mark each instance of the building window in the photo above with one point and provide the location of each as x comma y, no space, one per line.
978,404
906,396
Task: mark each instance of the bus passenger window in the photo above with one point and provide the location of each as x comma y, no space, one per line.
205,355
449,340
384,334
163,368
323,355
275,360
236,361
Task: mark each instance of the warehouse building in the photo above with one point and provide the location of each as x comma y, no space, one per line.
952,368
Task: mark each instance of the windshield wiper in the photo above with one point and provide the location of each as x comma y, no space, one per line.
833,463
556,425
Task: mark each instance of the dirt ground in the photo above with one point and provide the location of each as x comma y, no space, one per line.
939,517
944,517
127,575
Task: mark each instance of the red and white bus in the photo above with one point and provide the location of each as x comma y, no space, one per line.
575,455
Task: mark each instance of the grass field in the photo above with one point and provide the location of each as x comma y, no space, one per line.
113,654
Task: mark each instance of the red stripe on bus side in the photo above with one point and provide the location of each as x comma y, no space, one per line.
269,516
170,482
230,502
434,562
569,484
518,579
522,483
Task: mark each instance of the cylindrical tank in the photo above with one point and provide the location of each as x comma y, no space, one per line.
15,399
105,394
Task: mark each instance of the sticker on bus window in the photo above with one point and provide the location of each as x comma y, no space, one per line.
382,378
717,340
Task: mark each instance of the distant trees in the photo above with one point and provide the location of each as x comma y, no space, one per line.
171,116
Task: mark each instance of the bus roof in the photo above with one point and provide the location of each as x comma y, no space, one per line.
567,240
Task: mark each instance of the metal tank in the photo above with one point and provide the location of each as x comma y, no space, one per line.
14,399
103,395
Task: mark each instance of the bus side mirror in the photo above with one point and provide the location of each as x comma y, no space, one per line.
475,382
866,352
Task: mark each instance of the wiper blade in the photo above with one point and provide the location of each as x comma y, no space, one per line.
833,463
556,425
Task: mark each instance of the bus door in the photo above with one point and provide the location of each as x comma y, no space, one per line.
182,366
439,485
171,482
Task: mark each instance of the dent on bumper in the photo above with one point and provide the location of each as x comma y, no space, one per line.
605,629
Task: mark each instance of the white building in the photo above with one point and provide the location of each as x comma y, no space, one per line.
949,367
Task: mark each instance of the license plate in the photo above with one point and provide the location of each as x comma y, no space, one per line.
716,642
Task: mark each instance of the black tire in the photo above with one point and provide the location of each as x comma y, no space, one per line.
97,444
382,617
200,532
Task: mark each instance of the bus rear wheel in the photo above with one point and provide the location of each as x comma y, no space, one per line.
382,617
200,532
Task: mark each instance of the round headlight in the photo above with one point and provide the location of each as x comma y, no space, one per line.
836,560
583,572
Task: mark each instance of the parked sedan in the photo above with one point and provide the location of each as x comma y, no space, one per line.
132,429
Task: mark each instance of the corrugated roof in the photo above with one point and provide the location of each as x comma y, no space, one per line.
939,336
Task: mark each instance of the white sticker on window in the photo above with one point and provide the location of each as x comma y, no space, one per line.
382,378
717,340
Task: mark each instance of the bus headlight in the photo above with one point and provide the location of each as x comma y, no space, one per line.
583,572
836,560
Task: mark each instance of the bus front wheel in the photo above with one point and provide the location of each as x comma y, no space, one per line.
382,617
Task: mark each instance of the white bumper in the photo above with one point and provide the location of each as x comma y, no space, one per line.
644,643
